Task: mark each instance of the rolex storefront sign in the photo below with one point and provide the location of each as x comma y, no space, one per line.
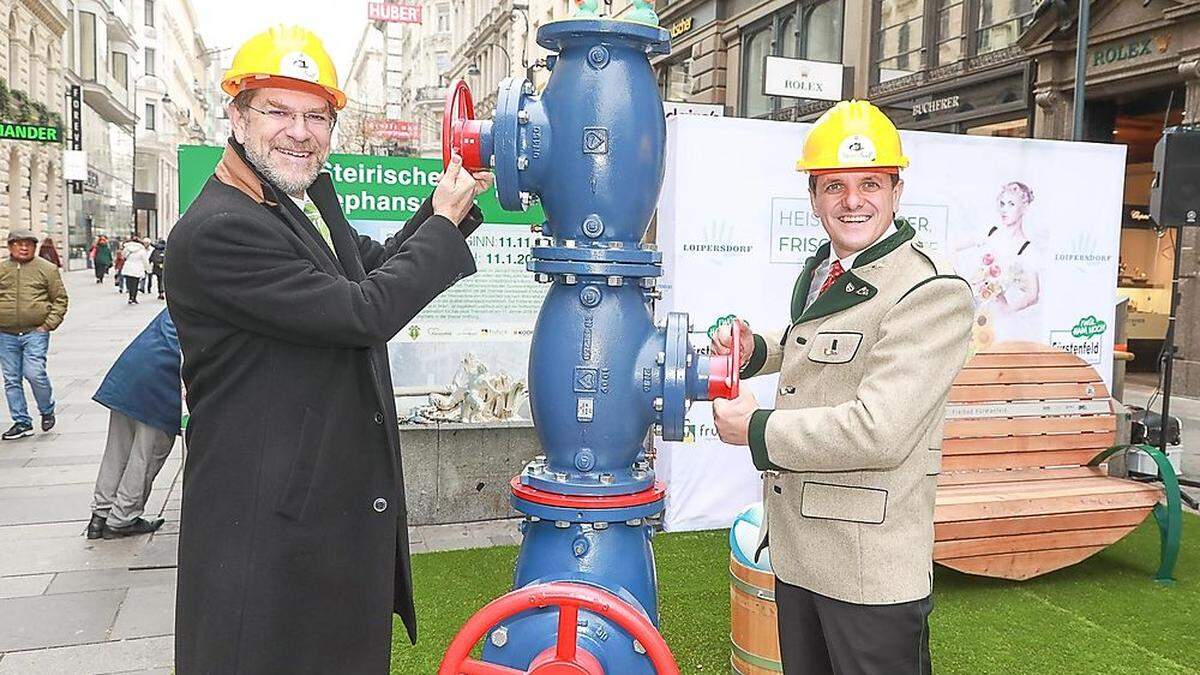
800,78
30,132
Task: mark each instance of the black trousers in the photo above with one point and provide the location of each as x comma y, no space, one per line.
819,635
131,285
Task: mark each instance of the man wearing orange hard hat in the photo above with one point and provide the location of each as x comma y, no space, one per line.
879,328
293,549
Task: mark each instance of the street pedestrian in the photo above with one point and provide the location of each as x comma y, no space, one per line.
137,263
33,302
142,392
49,251
117,265
149,246
293,550
102,257
158,256
880,327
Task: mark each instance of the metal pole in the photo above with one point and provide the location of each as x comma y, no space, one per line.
1081,47
1169,346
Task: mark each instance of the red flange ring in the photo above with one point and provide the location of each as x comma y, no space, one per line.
546,498
569,598
724,372
460,129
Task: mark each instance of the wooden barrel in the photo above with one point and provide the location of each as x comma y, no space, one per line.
754,633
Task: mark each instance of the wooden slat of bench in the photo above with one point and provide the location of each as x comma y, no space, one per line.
1021,566
996,506
1022,543
1083,373
1051,442
986,393
1024,360
999,527
1019,460
949,478
999,427
1039,488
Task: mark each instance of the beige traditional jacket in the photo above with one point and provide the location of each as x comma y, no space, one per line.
852,448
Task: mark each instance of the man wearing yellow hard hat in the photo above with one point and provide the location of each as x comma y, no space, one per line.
293,549
879,328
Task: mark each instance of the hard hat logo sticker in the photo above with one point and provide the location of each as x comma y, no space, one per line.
300,66
856,149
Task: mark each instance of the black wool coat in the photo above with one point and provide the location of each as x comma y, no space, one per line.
293,550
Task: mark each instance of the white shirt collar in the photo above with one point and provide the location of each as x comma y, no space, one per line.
848,261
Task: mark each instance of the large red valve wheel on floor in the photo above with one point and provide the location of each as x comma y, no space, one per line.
724,372
565,658
460,129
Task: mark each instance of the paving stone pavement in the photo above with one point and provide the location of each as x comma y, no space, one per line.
73,606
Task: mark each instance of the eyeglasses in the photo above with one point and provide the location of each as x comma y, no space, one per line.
312,120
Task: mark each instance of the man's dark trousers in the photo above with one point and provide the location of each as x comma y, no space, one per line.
819,635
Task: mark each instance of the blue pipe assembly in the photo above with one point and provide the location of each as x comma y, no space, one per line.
602,374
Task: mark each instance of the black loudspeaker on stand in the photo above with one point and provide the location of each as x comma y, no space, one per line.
1175,204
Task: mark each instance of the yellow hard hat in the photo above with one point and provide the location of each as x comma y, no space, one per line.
852,135
288,57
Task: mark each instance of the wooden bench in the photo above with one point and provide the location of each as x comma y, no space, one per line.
1024,489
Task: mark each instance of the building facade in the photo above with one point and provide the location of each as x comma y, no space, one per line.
33,91
175,101
719,50
368,85
1143,74
953,67
99,54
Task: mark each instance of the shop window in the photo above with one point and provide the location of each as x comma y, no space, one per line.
120,70
1018,128
805,30
901,33
950,35
823,32
87,45
756,48
677,81
1001,23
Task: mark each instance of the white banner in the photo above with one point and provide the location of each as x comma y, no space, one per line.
1034,221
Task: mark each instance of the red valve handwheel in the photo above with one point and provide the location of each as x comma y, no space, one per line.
724,372
565,658
460,129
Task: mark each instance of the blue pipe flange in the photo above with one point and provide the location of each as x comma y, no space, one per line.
675,376
639,256
595,269
576,515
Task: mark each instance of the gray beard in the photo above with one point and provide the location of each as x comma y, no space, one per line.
292,186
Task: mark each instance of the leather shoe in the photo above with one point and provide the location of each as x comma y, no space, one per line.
139,526
96,527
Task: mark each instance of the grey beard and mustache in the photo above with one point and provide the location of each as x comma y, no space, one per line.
290,185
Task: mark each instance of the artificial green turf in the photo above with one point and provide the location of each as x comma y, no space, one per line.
1104,615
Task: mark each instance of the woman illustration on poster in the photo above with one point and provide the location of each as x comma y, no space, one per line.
1002,267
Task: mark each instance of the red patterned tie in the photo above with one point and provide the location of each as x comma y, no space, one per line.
835,271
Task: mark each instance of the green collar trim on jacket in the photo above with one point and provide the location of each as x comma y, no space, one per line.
850,289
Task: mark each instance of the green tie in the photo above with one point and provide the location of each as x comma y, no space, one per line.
310,210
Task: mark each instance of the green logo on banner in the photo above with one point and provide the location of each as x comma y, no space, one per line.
1089,327
369,187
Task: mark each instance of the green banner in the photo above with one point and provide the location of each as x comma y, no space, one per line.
370,188
29,132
